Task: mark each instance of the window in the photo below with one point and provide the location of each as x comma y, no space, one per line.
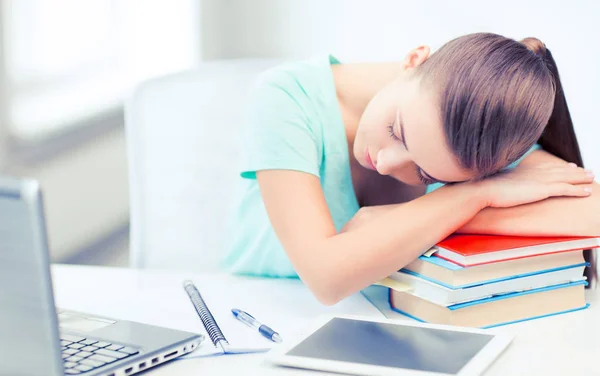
67,62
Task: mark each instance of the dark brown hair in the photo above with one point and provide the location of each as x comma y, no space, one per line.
498,97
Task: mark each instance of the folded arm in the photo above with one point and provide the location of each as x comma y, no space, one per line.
551,217
334,265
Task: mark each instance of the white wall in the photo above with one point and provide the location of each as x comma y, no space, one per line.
361,30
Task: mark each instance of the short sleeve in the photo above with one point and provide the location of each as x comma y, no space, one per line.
277,133
433,187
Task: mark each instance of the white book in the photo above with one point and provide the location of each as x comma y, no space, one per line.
445,296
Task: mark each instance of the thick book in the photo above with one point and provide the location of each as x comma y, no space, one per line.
471,250
451,275
495,311
447,296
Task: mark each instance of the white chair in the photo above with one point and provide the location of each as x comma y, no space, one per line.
182,149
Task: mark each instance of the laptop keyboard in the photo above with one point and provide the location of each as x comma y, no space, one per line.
82,354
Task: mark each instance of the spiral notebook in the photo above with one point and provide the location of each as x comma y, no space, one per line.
246,339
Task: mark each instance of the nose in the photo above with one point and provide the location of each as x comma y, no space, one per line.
390,160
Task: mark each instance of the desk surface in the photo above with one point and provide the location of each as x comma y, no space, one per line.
559,345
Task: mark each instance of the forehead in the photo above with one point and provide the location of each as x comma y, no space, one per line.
426,138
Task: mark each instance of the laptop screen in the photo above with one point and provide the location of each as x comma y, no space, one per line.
26,284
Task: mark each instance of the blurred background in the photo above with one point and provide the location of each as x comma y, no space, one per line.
67,67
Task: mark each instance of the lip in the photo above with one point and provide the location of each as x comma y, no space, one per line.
370,163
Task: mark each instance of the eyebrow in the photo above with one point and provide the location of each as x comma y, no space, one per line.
403,138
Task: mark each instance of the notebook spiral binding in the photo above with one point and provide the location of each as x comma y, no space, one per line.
213,330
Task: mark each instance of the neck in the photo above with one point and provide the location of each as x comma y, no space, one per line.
356,84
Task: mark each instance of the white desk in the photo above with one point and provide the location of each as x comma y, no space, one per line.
561,345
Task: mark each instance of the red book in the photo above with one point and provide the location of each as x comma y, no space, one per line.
471,250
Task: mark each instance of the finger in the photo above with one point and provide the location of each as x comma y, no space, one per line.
571,175
566,189
552,164
580,176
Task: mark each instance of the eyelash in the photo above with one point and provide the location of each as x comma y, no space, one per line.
422,178
391,131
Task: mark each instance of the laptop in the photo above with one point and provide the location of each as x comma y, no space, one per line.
38,339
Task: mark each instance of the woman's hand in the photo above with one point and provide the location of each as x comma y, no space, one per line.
524,185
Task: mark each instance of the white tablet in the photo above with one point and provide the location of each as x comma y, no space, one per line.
366,346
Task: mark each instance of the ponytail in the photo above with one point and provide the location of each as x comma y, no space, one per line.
559,137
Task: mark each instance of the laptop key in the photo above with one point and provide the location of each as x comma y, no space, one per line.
83,368
84,354
65,343
75,346
69,337
65,356
70,351
102,358
129,350
69,364
74,359
101,344
114,347
89,342
92,363
89,348
72,371
114,354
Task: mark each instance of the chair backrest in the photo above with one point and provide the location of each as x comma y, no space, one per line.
183,159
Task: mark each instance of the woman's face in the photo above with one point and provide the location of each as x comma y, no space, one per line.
400,134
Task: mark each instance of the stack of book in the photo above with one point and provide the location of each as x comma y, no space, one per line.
485,281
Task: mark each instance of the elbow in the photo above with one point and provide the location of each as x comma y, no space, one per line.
594,219
328,278
326,288
595,231
327,298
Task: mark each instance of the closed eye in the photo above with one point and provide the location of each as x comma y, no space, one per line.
423,179
428,179
391,132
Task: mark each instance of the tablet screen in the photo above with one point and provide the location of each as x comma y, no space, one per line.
391,345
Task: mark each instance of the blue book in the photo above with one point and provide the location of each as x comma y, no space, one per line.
496,310
443,294
451,275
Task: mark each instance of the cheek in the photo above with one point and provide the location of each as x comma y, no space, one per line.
406,171
375,131
374,135
376,117
394,160
407,175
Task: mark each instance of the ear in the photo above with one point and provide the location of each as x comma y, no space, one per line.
415,57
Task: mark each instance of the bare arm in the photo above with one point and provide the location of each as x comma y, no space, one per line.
552,217
336,265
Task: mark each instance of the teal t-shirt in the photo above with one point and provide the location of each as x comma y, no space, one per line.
293,123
